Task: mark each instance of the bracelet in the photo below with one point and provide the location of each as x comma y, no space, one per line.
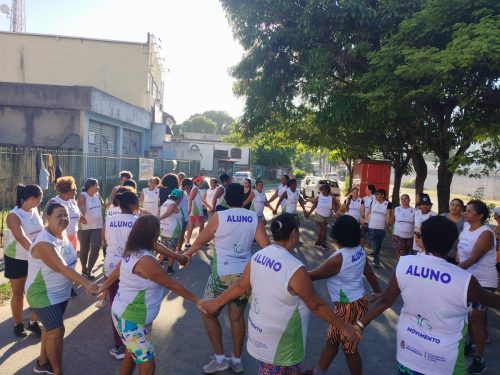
360,325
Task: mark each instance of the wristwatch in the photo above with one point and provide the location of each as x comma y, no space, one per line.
360,325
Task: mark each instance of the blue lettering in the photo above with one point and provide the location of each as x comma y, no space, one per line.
272,264
357,256
239,219
435,275
415,272
425,272
447,276
423,335
428,273
409,271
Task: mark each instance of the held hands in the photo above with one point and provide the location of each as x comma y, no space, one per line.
375,297
83,220
91,289
185,260
208,306
351,333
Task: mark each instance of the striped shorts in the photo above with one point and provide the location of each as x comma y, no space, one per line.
349,313
51,316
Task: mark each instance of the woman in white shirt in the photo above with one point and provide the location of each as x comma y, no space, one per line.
477,254
353,205
90,204
379,219
150,196
404,224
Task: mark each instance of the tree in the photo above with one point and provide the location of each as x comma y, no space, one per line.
444,65
221,118
199,124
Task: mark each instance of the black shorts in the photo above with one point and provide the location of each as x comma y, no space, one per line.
52,316
15,268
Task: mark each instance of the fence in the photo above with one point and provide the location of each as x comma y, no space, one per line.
18,165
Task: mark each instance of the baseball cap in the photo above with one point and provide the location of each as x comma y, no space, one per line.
425,199
198,179
176,194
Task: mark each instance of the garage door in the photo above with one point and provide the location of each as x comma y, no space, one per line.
102,138
131,143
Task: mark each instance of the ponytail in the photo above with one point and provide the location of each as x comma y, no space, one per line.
24,193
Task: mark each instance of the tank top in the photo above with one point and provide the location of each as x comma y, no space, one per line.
32,224
221,201
113,210
259,203
210,196
432,326
171,226
324,207
197,203
484,270
184,206
93,212
377,217
291,201
138,299
74,213
281,189
245,196
347,286
404,224
367,202
151,200
419,219
354,208
45,287
118,228
278,320
233,241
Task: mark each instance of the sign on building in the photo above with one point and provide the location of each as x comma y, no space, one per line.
146,169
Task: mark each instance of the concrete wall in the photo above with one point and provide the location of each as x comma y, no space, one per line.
118,68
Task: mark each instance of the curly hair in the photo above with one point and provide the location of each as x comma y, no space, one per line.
65,184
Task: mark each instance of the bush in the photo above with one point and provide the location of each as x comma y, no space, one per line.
408,184
299,173
345,188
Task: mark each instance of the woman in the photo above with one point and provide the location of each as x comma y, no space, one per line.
282,295
90,205
477,254
353,205
169,182
186,185
422,213
324,204
150,196
24,224
344,272
379,221
430,335
171,223
404,224
455,214
208,197
496,217
248,193
117,231
259,202
195,210
141,290
51,262
66,189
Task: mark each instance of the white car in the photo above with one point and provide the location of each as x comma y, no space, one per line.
332,176
239,177
310,186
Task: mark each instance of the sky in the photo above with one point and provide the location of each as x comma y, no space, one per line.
196,43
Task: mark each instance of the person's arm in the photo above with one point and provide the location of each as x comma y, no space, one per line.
112,196
268,205
314,205
149,268
115,275
367,217
204,201
217,195
261,237
47,254
101,200
342,209
372,279
163,250
483,245
249,199
274,196
282,198
388,218
103,233
383,303
361,209
239,287
141,197
81,205
301,285
302,203
205,236
170,210
192,194
15,227
327,269
475,293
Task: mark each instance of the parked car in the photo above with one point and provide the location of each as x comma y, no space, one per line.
240,176
332,176
310,186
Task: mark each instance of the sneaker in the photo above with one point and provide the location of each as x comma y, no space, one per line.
74,294
170,271
318,245
324,246
236,367
477,367
19,330
89,276
215,366
100,304
187,246
35,328
46,368
118,353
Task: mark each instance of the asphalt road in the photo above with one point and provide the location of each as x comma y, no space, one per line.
182,346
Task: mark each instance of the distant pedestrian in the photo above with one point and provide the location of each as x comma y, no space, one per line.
379,221
124,176
325,204
404,226
422,213
196,216
150,196
169,182
218,201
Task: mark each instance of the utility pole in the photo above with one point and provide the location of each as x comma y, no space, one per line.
18,20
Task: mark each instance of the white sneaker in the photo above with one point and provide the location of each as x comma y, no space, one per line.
236,367
100,304
118,353
215,366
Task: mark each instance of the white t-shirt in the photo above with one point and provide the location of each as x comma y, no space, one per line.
118,227
484,270
354,208
404,224
32,224
233,241
433,319
210,196
93,212
378,214
367,201
347,286
151,200
113,210
419,219
259,203
171,226
281,189
324,207
196,203
74,213
291,201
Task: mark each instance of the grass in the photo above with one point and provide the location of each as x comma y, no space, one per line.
5,292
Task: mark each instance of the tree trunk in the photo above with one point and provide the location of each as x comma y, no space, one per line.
420,168
398,176
445,177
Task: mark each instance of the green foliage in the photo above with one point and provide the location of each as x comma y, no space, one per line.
222,120
346,188
273,158
199,124
299,173
209,122
5,292
408,184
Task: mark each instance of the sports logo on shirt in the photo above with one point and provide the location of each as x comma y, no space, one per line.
237,249
424,322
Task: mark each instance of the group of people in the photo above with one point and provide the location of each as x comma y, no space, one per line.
448,260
